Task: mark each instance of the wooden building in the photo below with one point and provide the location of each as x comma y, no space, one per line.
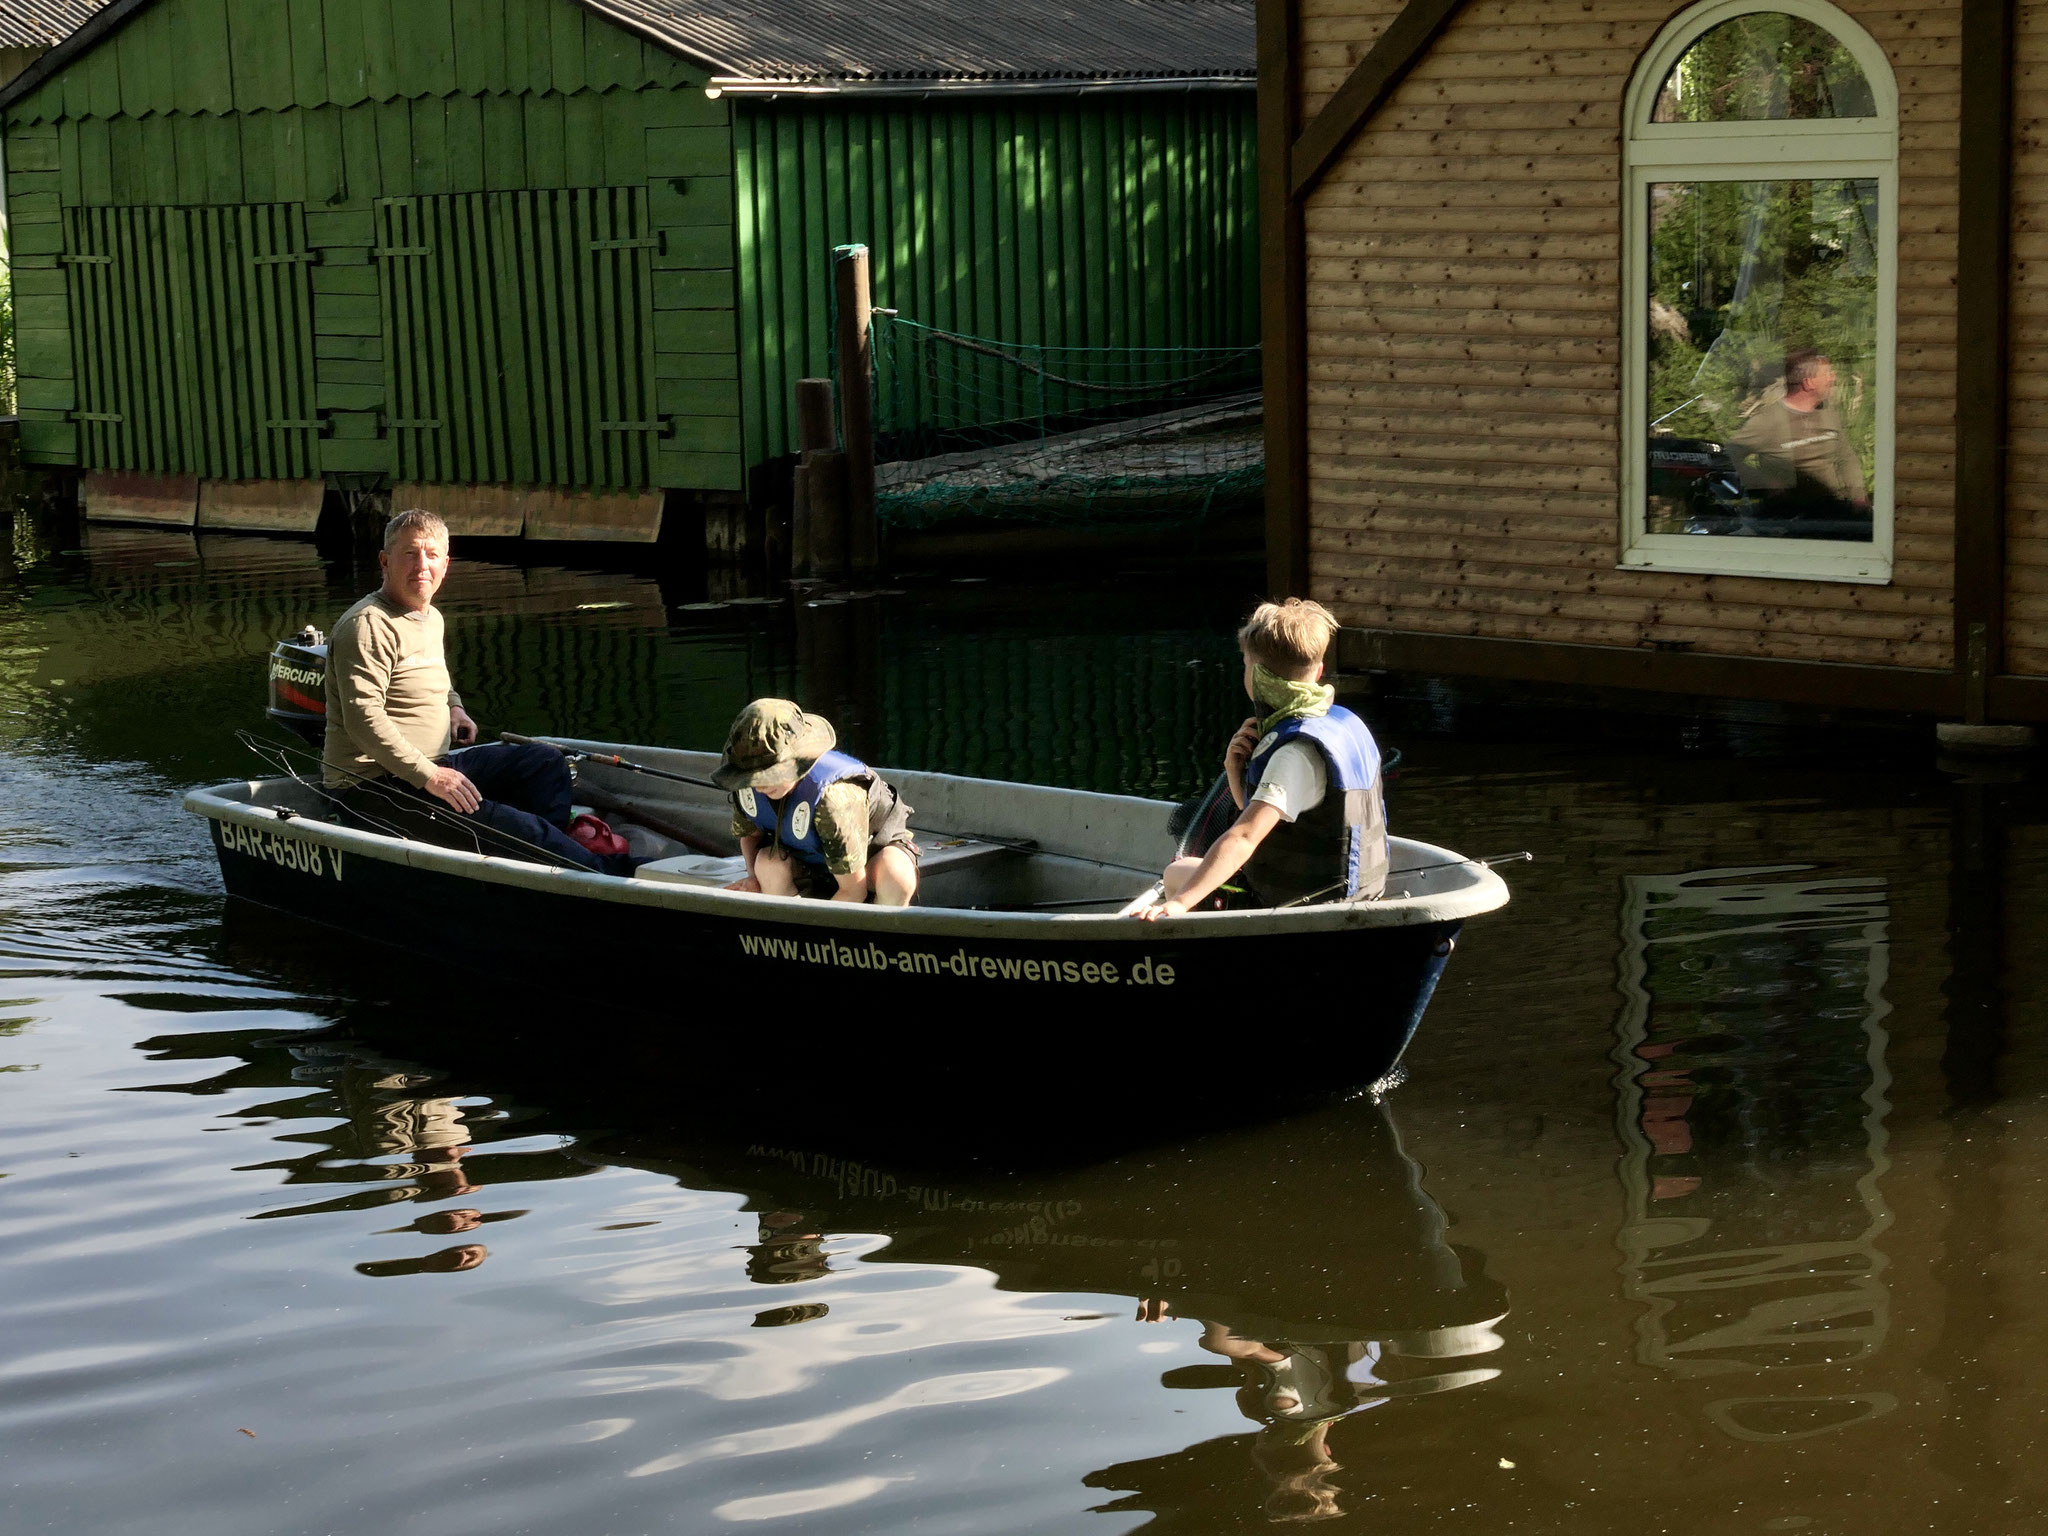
1680,347
550,264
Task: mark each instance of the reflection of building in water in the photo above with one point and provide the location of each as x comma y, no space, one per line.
1752,1099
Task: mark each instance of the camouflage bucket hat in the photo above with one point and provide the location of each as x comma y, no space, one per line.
772,742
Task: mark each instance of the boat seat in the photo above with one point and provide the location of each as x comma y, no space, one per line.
694,869
950,853
937,854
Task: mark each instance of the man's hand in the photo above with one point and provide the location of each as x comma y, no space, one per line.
453,788
461,728
1236,755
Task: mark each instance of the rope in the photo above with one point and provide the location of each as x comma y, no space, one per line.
994,349
1152,437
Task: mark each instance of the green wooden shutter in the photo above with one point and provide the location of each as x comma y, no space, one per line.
252,414
192,337
517,337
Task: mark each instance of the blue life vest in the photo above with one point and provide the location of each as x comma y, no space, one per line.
1341,845
792,821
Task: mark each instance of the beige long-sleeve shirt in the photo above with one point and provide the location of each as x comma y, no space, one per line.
388,694
1778,446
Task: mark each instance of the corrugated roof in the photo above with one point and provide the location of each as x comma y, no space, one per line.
995,41
827,40
42,23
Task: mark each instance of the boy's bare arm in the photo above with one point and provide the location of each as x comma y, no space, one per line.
1226,856
749,846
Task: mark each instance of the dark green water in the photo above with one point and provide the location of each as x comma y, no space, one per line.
1714,1201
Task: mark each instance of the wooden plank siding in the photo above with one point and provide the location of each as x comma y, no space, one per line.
1464,349
1096,223
335,107
2026,603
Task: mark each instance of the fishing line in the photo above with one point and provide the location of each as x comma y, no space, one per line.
1413,869
278,754
613,760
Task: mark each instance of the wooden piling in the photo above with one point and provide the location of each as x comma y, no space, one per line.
857,406
814,425
824,479
817,528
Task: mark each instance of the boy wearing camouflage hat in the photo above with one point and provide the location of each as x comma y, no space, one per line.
812,821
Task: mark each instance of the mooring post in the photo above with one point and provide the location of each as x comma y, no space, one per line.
857,405
814,425
818,491
816,437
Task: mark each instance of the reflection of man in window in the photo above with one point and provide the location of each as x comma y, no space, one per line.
1794,453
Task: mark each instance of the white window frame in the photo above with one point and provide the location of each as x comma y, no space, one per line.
1864,149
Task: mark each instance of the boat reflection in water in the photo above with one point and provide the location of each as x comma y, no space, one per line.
1318,1267
1305,1257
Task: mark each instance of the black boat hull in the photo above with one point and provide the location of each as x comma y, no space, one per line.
1326,1010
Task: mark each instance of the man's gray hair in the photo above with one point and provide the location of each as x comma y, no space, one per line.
415,522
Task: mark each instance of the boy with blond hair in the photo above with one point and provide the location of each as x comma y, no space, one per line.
1305,773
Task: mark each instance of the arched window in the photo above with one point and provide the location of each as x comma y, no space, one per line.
1760,254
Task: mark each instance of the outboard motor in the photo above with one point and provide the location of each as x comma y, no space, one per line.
298,685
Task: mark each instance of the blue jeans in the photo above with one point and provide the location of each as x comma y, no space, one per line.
526,791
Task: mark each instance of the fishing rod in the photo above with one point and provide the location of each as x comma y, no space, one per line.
613,760
279,754
1486,863
1417,869
1159,886
609,760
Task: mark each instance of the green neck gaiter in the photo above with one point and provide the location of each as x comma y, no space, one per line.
1287,699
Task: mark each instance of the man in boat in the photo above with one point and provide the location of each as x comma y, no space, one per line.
1796,457
399,750
1305,773
812,821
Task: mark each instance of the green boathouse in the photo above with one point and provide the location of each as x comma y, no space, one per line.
552,265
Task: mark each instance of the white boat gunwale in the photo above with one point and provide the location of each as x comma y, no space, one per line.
1453,890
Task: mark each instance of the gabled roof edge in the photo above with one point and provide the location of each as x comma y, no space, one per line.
103,21
111,17
647,34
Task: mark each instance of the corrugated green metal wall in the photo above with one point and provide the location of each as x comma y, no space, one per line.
341,116
1100,221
